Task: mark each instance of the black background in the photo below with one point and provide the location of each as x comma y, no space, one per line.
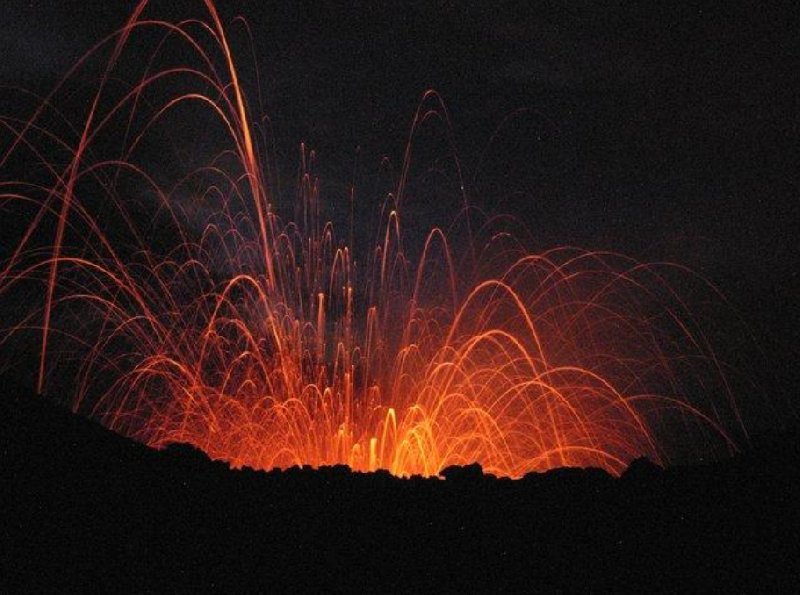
664,132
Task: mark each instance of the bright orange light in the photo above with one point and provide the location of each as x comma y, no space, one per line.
267,342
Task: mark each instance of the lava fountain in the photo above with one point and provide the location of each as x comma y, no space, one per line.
195,310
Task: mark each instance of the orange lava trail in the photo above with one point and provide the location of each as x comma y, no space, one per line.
270,341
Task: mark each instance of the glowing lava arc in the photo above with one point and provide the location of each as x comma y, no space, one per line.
196,313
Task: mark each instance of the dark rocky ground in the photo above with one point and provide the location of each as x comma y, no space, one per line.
86,510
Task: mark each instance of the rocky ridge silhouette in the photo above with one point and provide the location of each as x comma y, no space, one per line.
85,509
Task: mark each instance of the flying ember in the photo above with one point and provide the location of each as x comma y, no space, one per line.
198,307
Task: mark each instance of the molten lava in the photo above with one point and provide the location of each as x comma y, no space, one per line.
197,313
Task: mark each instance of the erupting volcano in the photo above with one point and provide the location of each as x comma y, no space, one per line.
201,307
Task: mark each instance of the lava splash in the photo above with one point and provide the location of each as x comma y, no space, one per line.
197,310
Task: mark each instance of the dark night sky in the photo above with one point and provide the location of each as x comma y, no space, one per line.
666,132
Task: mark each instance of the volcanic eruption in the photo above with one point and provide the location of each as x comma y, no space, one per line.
204,307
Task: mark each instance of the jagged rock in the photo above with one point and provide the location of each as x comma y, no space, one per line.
642,470
471,472
187,453
86,505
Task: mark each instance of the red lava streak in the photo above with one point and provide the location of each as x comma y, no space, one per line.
268,341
